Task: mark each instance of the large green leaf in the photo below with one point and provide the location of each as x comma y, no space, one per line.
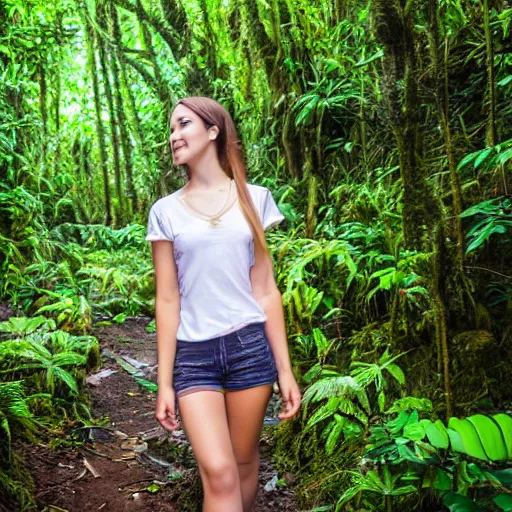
505,423
455,441
472,445
490,436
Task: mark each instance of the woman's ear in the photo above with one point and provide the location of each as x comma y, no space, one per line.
213,132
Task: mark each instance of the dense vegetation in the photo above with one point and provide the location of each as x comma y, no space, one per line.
383,129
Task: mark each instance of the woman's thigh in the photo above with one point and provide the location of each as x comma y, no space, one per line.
204,418
245,414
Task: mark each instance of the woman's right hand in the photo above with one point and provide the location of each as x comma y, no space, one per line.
166,408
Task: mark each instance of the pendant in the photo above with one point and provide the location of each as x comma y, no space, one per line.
214,222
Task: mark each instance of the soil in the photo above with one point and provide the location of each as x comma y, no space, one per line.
139,466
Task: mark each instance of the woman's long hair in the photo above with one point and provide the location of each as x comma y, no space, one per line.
229,152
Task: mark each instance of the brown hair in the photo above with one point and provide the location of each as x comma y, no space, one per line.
229,151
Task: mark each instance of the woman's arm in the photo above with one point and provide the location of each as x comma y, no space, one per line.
167,309
268,296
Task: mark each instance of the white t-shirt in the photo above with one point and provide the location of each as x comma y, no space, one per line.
213,263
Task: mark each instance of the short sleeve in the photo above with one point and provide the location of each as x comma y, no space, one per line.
159,226
270,212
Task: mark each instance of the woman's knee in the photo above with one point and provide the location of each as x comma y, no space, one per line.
248,465
221,477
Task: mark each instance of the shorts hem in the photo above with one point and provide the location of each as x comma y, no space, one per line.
193,389
249,386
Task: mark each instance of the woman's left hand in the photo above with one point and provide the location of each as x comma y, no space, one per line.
290,395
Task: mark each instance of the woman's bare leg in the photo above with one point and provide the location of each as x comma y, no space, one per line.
203,414
246,412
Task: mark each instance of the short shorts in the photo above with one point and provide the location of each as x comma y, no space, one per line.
238,360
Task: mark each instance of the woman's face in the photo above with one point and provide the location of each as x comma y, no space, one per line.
189,136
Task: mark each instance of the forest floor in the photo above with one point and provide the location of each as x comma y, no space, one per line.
132,451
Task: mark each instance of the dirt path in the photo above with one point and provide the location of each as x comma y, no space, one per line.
139,466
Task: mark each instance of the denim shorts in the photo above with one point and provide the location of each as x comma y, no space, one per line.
238,360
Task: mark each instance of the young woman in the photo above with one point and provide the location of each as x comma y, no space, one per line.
220,325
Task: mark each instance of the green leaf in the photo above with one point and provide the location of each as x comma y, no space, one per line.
397,373
472,445
458,503
410,403
396,425
442,480
436,433
467,159
67,378
504,81
147,384
455,440
323,412
490,436
505,423
414,431
332,439
504,476
382,401
406,453
482,156
504,501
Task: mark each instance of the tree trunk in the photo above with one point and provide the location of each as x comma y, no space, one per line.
104,62
91,57
440,311
442,96
395,32
56,111
43,108
119,106
491,85
421,210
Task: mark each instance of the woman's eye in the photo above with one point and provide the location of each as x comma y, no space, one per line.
181,124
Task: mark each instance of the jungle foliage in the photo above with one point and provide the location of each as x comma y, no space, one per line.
383,129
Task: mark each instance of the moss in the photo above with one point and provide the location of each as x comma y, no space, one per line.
474,341
483,318
16,485
370,341
319,478
93,357
188,492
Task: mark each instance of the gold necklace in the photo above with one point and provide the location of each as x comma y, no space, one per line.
212,220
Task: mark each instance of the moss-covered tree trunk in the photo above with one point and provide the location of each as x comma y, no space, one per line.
135,124
56,113
442,97
395,32
43,108
491,85
394,29
104,55
91,58
120,112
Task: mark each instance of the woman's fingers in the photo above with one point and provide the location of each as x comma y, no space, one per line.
170,424
291,407
167,418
